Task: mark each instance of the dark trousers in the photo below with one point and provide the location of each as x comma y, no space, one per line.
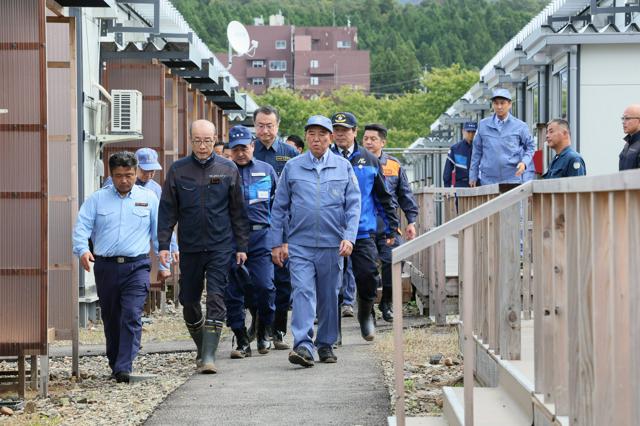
194,268
384,254
365,268
283,296
261,291
122,289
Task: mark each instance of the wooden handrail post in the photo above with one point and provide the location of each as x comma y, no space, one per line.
467,315
398,342
509,289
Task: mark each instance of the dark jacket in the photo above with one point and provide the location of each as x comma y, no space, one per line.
206,200
458,159
566,164
373,192
630,155
398,186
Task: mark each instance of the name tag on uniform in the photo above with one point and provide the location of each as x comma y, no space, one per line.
263,195
215,179
142,204
255,174
282,158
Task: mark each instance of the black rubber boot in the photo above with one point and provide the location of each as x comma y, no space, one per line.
195,330
385,305
263,336
243,349
365,318
252,328
210,339
280,329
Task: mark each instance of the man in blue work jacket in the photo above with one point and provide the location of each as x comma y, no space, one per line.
120,220
203,194
374,195
317,205
567,162
272,149
395,178
503,147
459,158
259,183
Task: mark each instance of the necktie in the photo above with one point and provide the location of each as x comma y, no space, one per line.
345,153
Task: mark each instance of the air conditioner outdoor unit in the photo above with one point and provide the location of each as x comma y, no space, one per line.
126,111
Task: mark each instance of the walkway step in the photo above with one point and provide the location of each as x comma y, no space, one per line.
419,421
492,407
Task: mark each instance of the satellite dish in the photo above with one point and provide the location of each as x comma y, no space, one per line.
238,38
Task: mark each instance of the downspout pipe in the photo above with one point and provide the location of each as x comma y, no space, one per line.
574,94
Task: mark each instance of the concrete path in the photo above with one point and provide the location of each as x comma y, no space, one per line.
268,390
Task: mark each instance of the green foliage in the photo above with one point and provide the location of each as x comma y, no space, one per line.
407,116
403,39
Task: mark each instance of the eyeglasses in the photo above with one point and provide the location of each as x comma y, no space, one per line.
202,141
624,118
265,126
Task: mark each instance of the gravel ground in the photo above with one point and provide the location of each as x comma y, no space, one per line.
423,381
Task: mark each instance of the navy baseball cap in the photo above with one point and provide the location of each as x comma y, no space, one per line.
239,135
470,126
242,277
319,120
344,119
501,93
148,159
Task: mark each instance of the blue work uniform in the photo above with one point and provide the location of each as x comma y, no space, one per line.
458,162
317,202
121,228
567,163
630,154
277,156
259,184
397,183
374,196
498,147
157,189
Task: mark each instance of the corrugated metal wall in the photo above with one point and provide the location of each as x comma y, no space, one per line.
63,175
23,178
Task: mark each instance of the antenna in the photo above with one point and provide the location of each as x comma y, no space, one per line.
239,41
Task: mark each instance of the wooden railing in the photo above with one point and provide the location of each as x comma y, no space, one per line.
586,290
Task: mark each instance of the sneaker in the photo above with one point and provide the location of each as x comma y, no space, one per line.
325,353
347,311
122,377
278,341
241,351
301,356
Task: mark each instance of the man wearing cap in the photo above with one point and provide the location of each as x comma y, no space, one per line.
317,205
374,195
120,220
459,158
272,149
503,147
259,184
567,162
203,194
395,178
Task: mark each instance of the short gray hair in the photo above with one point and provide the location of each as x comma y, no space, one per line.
561,122
267,110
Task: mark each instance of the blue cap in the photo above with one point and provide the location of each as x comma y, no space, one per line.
470,126
501,93
241,277
344,119
148,159
319,120
239,135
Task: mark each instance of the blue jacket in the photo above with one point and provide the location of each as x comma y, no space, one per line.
276,155
497,152
319,202
567,163
458,159
374,193
397,183
258,186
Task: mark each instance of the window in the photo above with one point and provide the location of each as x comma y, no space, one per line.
257,81
281,44
277,82
314,81
257,64
313,63
277,65
563,93
344,44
